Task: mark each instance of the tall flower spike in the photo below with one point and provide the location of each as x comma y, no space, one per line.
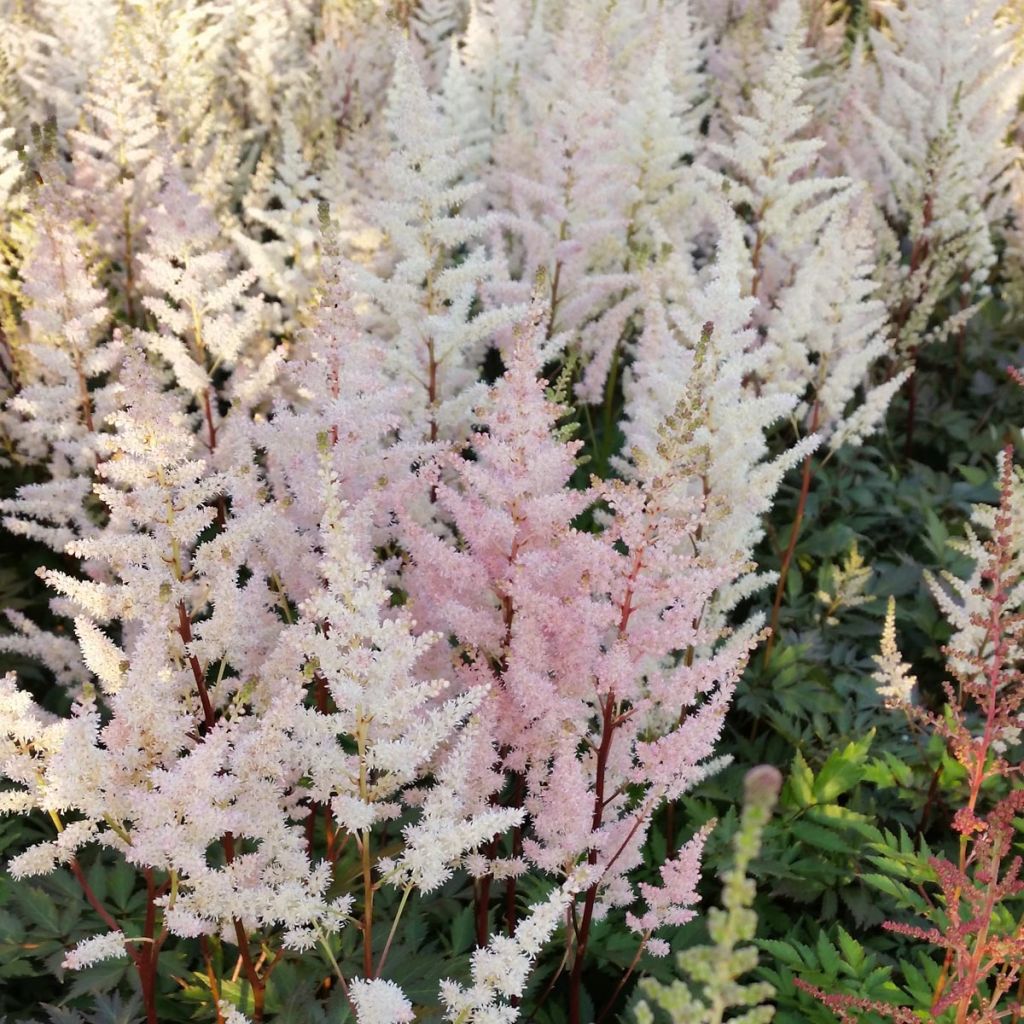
709,433
936,106
560,193
208,321
334,387
608,681
966,602
117,167
419,301
895,683
513,508
62,401
770,160
816,304
288,261
718,967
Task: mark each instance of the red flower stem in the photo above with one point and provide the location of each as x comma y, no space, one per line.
140,959
794,535
622,981
211,976
576,977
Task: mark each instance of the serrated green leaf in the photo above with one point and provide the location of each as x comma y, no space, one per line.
121,880
853,951
801,781
37,908
783,952
822,838
828,955
102,977
900,892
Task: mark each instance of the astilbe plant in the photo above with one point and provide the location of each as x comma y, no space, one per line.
418,296
601,714
117,168
342,625
933,89
193,713
63,354
972,899
208,323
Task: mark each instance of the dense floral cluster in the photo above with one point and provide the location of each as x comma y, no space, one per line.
308,313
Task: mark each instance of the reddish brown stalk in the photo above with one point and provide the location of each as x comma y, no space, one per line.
105,915
211,428
576,976
556,277
367,872
148,959
622,981
84,398
482,899
755,256
185,632
918,253
144,961
330,834
129,267
252,975
211,977
320,698
432,391
794,535
311,827
482,887
996,640
518,793
609,721
211,443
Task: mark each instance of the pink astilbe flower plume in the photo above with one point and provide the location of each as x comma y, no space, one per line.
600,703
335,401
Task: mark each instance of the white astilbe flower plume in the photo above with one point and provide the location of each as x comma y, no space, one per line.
287,261
964,601
378,1001
62,400
811,247
709,429
208,321
893,679
116,166
930,101
419,299
94,949
367,662
501,969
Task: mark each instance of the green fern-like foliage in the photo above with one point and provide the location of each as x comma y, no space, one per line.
715,971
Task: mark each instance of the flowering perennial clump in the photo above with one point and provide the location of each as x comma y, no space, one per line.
396,392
